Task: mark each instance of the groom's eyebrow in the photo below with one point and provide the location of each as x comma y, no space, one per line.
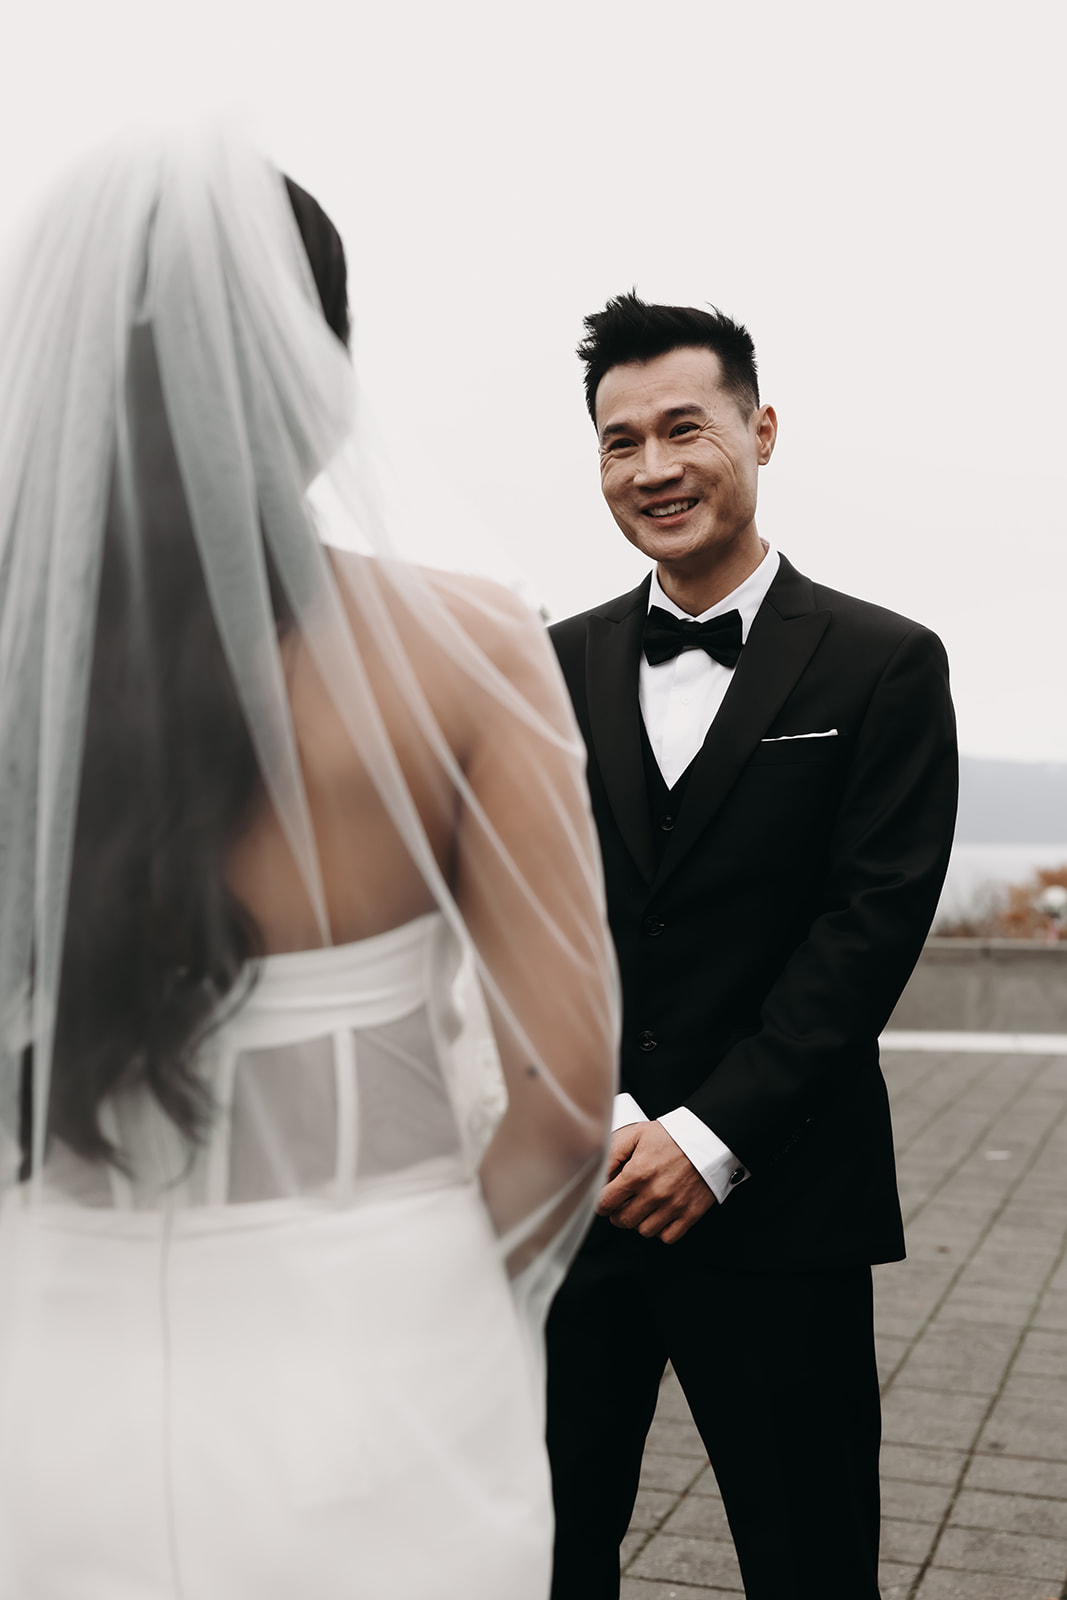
689,408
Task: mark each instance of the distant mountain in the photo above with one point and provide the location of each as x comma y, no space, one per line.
1012,802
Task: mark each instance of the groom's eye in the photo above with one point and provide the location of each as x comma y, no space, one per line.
615,445
684,427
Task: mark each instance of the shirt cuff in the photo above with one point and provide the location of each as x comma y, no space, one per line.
624,1111
715,1161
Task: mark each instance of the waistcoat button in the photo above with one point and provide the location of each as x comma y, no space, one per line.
666,823
648,1041
654,926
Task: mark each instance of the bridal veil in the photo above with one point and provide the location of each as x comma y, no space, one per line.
164,360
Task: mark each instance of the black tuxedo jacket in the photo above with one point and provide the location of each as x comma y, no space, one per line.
761,957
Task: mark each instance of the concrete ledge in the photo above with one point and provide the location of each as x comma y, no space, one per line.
986,986
944,1040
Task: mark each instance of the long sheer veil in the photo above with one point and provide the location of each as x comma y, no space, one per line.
164,363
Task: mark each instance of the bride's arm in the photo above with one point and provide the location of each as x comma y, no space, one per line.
528,883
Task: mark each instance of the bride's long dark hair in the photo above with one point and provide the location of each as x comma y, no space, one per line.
155,940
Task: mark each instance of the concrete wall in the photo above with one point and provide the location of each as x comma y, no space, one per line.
987,986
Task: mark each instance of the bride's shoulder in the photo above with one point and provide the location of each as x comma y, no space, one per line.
487,609
483,656
491,615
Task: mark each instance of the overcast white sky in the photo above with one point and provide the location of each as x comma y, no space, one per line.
875,189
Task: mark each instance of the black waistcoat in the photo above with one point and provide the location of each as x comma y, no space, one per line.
663,804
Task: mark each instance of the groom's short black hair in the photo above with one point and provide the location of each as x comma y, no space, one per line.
628,329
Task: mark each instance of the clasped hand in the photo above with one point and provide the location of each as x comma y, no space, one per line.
652,1185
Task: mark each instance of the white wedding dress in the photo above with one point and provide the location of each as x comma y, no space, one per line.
291,1369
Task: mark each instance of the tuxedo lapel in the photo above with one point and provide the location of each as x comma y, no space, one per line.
613,655
782,640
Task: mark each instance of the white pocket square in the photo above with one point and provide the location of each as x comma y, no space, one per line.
780,738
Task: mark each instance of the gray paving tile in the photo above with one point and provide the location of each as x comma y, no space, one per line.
1049,1389
705,1483
1009,1475
633,1540
941,1585
968,1357
641,1589
1043,1353
901,1323
921,1464
1052,1312
906,1541
914,1280
672,1403
993,1267
925,1108
911,1118
891,1351
1043,1183
1026,1428
898,1298
651,1507
676,1439
954,1214
674,1559
971,1101
660,1471
949,1138
924,1416
1008,1306
1016,1555
895,1579
940,1234
904,1311
1010,1513
916,1502
1028,1219
699,1517
946,1380
980,1182
1027,1211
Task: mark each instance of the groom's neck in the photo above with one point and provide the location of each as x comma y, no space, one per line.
697,583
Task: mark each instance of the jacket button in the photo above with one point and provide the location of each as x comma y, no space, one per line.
648,1041
666,823
654,926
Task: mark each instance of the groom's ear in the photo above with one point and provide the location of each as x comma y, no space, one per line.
765,424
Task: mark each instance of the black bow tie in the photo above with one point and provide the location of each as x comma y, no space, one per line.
667,636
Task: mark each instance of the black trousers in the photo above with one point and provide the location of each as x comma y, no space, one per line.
779,1373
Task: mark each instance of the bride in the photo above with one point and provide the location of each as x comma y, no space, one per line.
271,1285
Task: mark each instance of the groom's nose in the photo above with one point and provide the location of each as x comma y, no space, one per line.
659,464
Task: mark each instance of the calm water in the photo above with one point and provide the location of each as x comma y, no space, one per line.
977,871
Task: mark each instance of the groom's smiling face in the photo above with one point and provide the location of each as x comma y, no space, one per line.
679,459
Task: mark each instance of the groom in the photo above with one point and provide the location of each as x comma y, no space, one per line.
773,774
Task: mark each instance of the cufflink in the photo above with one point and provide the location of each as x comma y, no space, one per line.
736,1175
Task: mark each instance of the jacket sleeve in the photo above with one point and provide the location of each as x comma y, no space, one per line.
888,856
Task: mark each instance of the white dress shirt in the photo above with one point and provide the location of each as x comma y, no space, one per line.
680,700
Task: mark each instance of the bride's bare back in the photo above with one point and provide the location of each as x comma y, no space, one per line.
370,881
522,821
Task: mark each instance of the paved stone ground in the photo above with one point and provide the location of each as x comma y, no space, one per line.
972,1336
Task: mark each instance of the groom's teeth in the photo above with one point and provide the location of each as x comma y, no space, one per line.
673,509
